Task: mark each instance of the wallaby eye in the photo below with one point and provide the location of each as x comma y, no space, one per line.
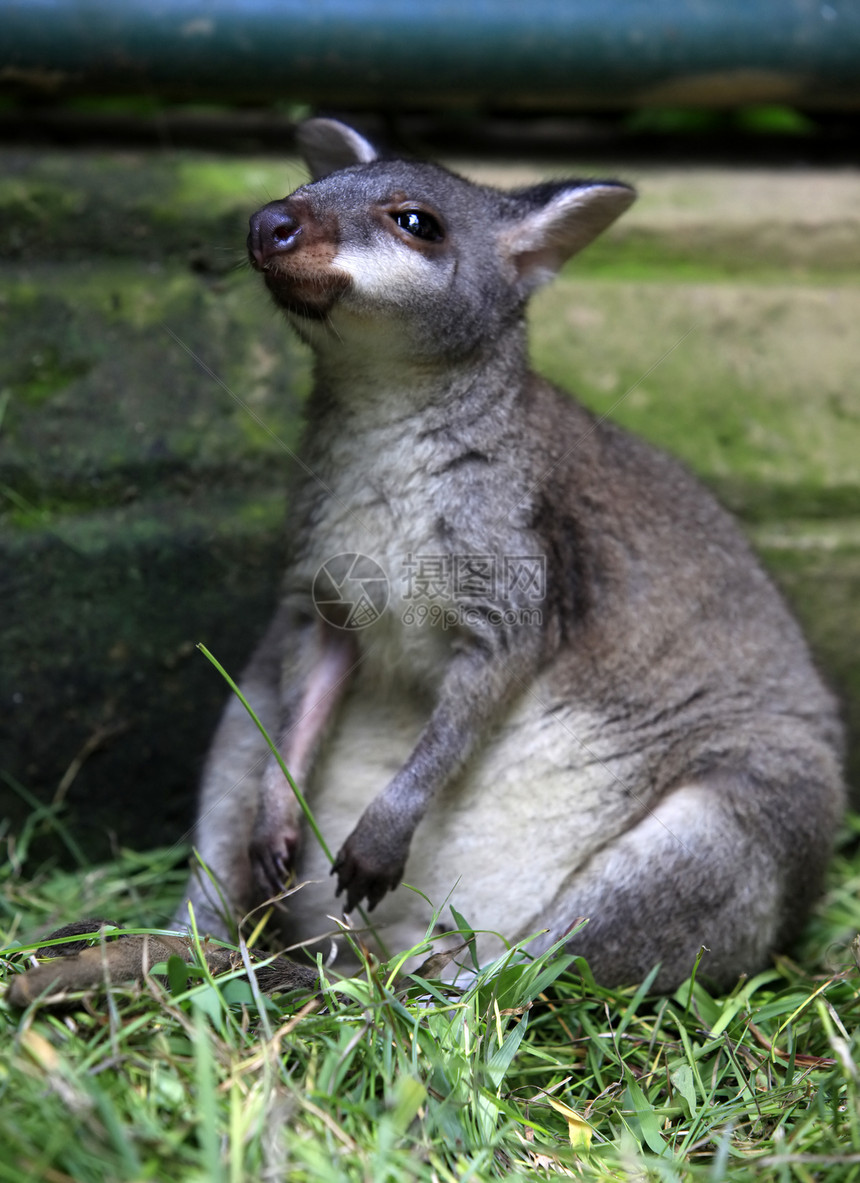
419,224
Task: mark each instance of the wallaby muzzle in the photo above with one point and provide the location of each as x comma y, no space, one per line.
294,249
273,230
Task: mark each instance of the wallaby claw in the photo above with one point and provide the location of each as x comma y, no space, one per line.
272,861
358,881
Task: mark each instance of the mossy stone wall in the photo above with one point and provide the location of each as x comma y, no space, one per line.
150,398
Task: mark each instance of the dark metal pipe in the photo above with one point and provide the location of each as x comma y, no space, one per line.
503,54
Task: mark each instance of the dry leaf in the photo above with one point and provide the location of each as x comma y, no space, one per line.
578,1130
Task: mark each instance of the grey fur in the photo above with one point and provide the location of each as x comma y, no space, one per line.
656,752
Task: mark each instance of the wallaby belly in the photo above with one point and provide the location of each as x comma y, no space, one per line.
535,802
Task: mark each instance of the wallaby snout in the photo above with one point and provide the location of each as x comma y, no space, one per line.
273,230
295,249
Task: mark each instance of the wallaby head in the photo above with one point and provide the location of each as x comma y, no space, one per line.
439,266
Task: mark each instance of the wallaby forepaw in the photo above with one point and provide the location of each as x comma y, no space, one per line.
272,858
362,878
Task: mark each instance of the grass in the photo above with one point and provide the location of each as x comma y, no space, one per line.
525,1070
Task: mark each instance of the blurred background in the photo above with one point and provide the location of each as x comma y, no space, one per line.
149,393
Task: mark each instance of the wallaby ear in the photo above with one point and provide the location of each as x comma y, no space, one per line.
328,145
564,217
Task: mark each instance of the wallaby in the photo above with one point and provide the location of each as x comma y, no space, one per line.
583,697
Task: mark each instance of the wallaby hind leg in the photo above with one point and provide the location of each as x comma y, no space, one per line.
230,794
710,865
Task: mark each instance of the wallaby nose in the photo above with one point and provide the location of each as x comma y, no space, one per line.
273,231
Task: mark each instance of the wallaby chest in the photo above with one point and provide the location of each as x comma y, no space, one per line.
411,497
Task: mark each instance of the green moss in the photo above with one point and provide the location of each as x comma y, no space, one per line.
751,385
44,352
822,583
33,202
49,372
769,118
220,185
712,256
